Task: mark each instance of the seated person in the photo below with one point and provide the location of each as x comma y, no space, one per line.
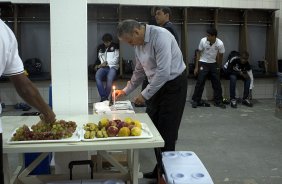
107,65
238,66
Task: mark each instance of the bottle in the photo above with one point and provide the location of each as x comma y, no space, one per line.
265,66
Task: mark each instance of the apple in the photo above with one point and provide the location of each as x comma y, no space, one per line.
112,131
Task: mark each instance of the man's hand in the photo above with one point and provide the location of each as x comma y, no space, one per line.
49,117
118,94
97,67
104,64
245,75
139,100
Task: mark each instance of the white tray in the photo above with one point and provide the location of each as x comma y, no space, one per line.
146,133
76,137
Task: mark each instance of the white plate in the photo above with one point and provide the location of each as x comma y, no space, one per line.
74,138
146,133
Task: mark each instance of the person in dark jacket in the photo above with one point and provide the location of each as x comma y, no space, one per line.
163,15
162,19
238,66
107,66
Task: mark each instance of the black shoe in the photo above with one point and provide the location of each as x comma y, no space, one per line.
233,103
150,175
194,104
103,99
220,104
202,103
247,102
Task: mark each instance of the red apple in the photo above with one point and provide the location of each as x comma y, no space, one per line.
112,131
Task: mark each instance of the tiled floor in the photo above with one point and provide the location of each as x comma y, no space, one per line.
237,146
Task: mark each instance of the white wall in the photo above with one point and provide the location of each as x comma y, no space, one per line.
279,17
68,23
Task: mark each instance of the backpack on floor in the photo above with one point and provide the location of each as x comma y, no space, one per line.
33,66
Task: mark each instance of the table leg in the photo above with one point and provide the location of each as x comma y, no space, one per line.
6,171
24,174
135,167
99,162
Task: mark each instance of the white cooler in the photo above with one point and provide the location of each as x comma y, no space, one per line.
184,167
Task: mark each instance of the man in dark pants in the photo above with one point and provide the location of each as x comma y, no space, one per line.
162,18
159,58
238,67
209,59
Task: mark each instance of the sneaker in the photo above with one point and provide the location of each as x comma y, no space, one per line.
220,104
202,103
22,106
247,102
225,101
233,103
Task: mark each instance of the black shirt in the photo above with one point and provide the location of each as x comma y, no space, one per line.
171,28
235,66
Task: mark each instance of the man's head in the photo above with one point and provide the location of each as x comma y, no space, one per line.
107,39
131,32
244,57
162,15
211,34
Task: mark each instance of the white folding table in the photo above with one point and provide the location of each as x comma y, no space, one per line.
133,146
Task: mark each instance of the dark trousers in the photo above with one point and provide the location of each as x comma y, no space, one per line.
145,83
1,158
165,109
232,87
204,70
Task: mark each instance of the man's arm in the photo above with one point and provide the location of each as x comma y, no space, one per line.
219,59
196,70
31,95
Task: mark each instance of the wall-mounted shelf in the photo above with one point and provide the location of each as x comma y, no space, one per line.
105,17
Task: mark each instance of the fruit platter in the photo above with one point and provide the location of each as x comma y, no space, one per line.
104,128
115,129
59,131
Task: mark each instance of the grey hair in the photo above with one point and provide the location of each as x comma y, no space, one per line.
127,27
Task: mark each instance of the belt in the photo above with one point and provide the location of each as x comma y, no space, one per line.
181,75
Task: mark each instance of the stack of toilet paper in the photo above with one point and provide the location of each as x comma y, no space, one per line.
184,167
